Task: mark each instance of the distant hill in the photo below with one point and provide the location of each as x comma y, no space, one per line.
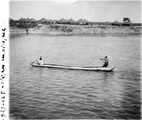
31,22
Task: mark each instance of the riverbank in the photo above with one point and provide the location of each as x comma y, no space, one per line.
59,29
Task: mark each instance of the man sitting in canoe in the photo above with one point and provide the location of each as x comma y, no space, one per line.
105,60
40,61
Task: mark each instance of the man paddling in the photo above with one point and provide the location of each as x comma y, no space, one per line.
105,60
40,61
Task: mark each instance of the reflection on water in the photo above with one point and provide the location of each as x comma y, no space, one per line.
42,93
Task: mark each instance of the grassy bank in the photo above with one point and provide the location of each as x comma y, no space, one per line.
58,29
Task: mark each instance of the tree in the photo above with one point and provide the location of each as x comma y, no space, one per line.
126,22
126,19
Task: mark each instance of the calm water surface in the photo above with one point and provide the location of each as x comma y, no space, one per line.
42,93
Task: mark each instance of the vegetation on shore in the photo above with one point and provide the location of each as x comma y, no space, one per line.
71,26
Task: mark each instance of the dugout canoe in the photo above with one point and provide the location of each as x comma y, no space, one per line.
105,69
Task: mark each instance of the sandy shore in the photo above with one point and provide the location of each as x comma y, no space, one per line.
58,29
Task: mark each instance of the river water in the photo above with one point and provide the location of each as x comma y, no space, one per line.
43,93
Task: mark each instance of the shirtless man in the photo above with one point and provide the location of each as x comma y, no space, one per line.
105,60
40,61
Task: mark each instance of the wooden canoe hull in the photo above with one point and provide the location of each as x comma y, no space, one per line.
106,69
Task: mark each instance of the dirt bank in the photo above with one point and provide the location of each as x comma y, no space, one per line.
58,29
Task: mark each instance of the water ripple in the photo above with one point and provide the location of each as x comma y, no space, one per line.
37,93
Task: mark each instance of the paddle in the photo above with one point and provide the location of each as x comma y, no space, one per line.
33,62
102,60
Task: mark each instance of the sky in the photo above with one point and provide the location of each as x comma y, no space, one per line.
96,11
